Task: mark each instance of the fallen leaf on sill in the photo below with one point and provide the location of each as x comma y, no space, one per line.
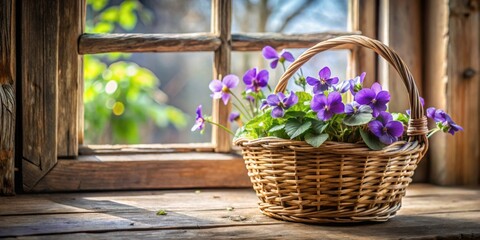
161,212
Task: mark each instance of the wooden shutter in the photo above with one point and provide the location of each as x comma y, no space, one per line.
49,70
7,95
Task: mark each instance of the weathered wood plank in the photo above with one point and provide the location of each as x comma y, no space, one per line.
137,220
39,30
221,26
100,202
397,18
420,199
102,43
454,83
368,26
186,42
145,148
440,211
7,96
430,231
69,30
256,41
463,101
81,87
146,171
399,228
436,75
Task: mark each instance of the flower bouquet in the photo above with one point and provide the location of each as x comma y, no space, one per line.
331,152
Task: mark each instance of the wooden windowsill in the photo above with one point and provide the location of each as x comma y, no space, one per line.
428,212
137,171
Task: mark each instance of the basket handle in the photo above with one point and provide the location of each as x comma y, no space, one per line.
417,125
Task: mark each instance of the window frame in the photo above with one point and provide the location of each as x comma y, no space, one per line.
74,167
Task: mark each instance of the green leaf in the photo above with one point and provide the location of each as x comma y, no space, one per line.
277,128
362,116
318,126
128,18
315,140
161,212
371,140
403,118
294,114
103,27
110,14
97,5
295,128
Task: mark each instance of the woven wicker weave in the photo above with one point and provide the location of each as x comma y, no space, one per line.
337,182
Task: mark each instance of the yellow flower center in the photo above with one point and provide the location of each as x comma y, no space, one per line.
225,89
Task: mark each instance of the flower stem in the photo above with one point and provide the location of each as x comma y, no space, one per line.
220,126
241,104
241,110
433,131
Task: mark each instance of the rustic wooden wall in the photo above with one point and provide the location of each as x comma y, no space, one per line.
7,96
453,80
400,28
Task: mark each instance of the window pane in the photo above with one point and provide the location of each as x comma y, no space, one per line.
336,60
290,16
148,16
145,97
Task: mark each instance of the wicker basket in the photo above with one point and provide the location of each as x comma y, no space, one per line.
337,182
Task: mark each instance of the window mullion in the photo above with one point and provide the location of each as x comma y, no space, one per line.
221,27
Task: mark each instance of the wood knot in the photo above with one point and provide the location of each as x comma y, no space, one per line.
6,154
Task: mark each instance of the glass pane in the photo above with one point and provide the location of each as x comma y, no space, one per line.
289,16
148,16
145,97
336,60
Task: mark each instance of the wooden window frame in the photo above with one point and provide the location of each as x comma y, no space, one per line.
59,119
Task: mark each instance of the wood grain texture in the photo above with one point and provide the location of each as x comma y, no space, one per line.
221,26
367,24
436,76
146,171
69,30
453,52
257,41
442,213
187,42
145,148
81,87
405,38
462,92
39,43
7,96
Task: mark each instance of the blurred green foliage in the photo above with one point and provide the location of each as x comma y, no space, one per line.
121,96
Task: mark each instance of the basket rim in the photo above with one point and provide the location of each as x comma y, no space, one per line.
361,149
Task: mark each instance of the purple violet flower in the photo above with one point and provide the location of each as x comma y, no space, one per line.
221,89
322,84
356,84
375,97
280,102
199,121
447,124
325,106
342,87
431,112
351,108
234,116
255,80
270,53
385,128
